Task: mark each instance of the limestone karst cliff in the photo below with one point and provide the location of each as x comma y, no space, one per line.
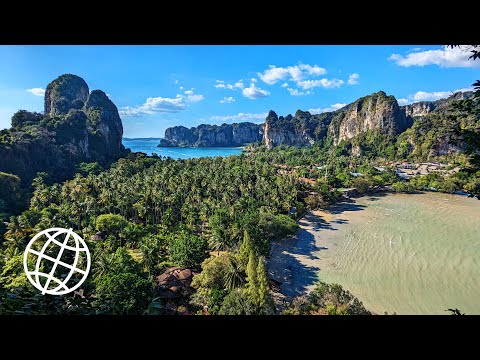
77,126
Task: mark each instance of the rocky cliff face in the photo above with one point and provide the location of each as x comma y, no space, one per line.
64,93
375,112
213,135
77,126
419,109
299,130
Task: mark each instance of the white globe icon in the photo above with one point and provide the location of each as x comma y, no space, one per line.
62,261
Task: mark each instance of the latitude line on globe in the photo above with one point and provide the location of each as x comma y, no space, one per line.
34,252
68,247
57,260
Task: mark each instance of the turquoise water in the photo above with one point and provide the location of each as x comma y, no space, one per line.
149,146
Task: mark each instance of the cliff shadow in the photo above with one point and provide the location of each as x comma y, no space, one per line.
295,277
345,205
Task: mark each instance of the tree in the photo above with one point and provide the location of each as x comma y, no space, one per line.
263,291
112,224
13,274
327,299
123,293
9,191
245,249
362,185
233,274
237,302
251,272
122,289
187,249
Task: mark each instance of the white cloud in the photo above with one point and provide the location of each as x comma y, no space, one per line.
296,92
253,92
239,117
443,57
176,82
192,97
353,79
181,87
284,85
326,83
295,73
253,80
37,91
155,105
327,109
429,96
227,100
222,85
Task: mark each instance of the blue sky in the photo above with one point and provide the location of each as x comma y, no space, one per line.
155,87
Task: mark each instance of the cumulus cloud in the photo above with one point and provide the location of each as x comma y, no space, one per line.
239,117
353,79
253,80
295,73
253,92
429,96
222,85
37,91
296,92
326,83
284,85
227,100
190,96
443,57
327,109
155,105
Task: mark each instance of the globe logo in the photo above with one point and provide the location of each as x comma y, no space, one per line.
56,261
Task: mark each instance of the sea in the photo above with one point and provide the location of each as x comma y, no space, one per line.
402,253
149,146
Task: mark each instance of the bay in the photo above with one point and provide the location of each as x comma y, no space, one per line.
149,146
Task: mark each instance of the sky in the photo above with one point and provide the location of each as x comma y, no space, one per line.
155,87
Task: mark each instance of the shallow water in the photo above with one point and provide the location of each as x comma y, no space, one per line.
149,146
409,254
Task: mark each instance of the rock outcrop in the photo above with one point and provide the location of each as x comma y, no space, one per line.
64,93
374,112
77,126
213,135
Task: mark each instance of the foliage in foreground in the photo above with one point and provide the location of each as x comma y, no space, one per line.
327,299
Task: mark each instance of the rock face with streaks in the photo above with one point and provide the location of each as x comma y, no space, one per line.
77,126
238,134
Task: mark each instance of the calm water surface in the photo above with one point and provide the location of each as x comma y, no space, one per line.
413,254
149,146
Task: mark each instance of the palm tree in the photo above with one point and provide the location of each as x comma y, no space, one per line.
234,276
